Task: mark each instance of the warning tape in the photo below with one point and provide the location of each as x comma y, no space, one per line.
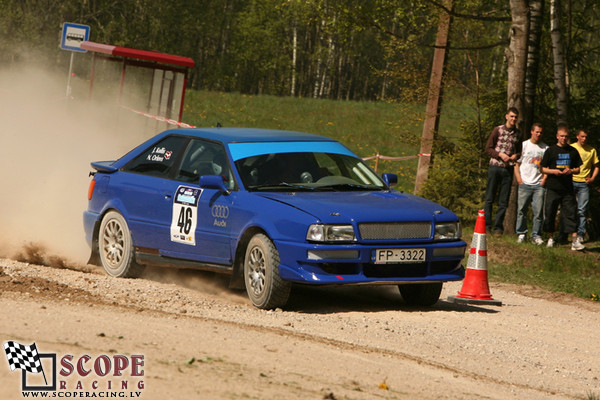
161,119
184,125
380,157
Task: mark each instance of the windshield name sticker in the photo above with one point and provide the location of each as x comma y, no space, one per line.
159,154
185,215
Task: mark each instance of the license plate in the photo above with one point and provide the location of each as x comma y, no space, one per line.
384,256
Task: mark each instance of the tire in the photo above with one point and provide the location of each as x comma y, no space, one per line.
115,247
264,286
421,294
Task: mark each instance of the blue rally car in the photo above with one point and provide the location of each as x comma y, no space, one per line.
270,208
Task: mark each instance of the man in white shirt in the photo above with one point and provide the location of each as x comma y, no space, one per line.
531,190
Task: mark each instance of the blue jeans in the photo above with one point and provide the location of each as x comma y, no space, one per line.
498,178
582,192
534,195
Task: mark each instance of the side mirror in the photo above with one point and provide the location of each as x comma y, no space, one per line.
214,182
390,179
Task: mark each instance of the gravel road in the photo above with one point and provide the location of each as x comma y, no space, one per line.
203,340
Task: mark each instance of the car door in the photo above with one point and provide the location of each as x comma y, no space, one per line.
145,189
199,228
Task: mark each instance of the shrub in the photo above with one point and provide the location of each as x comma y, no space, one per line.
457,179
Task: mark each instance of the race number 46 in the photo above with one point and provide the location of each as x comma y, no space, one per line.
185,215
185,220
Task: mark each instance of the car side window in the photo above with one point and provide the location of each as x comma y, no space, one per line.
158,160
204,158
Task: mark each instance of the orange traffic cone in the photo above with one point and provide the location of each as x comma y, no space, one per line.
475,289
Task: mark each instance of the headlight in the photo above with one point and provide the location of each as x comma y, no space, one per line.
330,233
447,230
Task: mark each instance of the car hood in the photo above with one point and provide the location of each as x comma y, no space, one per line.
343,207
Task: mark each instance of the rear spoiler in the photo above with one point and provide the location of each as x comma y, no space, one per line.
104,166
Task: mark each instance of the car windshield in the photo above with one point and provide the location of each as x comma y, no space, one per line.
307,171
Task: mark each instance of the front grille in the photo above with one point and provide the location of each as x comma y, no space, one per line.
443,267
395,270
341,268
395,230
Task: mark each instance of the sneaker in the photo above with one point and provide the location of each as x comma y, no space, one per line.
521,238
580,239
577,246
550,242
538,240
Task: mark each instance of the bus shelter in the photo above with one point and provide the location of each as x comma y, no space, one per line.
156,82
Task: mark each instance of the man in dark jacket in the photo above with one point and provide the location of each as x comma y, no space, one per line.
560,162
503,147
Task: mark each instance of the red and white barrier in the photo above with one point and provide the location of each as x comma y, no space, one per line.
388,158
161,119
180,124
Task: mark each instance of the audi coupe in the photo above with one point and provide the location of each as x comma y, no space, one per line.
270,208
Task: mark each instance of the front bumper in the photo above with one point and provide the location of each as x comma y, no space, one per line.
324,264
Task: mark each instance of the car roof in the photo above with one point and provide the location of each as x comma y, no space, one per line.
248,135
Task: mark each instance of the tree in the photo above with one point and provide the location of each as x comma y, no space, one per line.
558,54
536,19
434,101
516,56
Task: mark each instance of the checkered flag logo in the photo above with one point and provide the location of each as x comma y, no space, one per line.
23,357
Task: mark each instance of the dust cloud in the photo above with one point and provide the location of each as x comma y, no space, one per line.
48,142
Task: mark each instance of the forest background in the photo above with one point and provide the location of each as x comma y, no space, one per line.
375,51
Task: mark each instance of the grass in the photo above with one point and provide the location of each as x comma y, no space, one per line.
367,128
392,129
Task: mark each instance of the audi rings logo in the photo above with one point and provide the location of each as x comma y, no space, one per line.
219,211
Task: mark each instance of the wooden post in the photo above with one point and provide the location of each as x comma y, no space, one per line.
434,101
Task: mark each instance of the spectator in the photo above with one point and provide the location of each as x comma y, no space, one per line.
582,181
531,185
560,162
503,148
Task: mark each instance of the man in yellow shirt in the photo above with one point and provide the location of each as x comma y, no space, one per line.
581,181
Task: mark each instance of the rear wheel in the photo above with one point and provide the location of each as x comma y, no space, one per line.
265,287
115,247
421,294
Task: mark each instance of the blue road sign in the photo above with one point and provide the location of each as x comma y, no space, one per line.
73,35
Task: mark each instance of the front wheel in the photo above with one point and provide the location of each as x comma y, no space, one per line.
115,247
421,294
265,287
